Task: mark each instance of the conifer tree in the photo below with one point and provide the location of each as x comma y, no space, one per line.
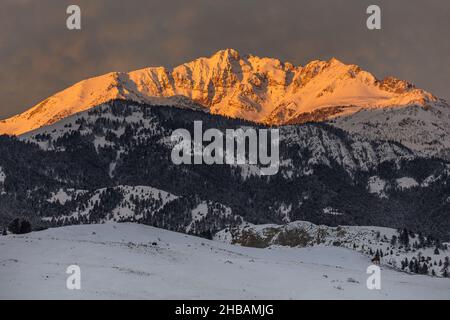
394,240
404,238
424,269
445,267
14,226
411,266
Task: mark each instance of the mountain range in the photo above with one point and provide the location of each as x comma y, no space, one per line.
354,150
267,91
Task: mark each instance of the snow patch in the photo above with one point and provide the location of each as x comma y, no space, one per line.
376,185
332,211
62,195
2,175
406,183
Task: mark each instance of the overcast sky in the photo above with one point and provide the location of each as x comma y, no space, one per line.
40,56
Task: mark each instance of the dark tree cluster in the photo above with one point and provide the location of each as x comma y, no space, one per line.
19,226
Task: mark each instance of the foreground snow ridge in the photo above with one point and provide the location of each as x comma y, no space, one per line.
131,261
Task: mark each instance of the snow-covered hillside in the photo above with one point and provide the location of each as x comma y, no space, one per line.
92,161
125,209
424,130
129,261
356,154
416,254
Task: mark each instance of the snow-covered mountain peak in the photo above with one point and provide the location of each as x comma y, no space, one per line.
228,54
243,86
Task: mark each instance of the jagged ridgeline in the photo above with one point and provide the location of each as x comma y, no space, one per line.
113,163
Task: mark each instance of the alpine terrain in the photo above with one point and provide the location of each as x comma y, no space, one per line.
364,171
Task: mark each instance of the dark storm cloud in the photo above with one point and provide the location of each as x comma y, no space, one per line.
39,56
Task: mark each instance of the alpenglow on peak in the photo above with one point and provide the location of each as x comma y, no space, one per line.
259,89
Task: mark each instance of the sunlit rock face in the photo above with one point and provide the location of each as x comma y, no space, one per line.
257,89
